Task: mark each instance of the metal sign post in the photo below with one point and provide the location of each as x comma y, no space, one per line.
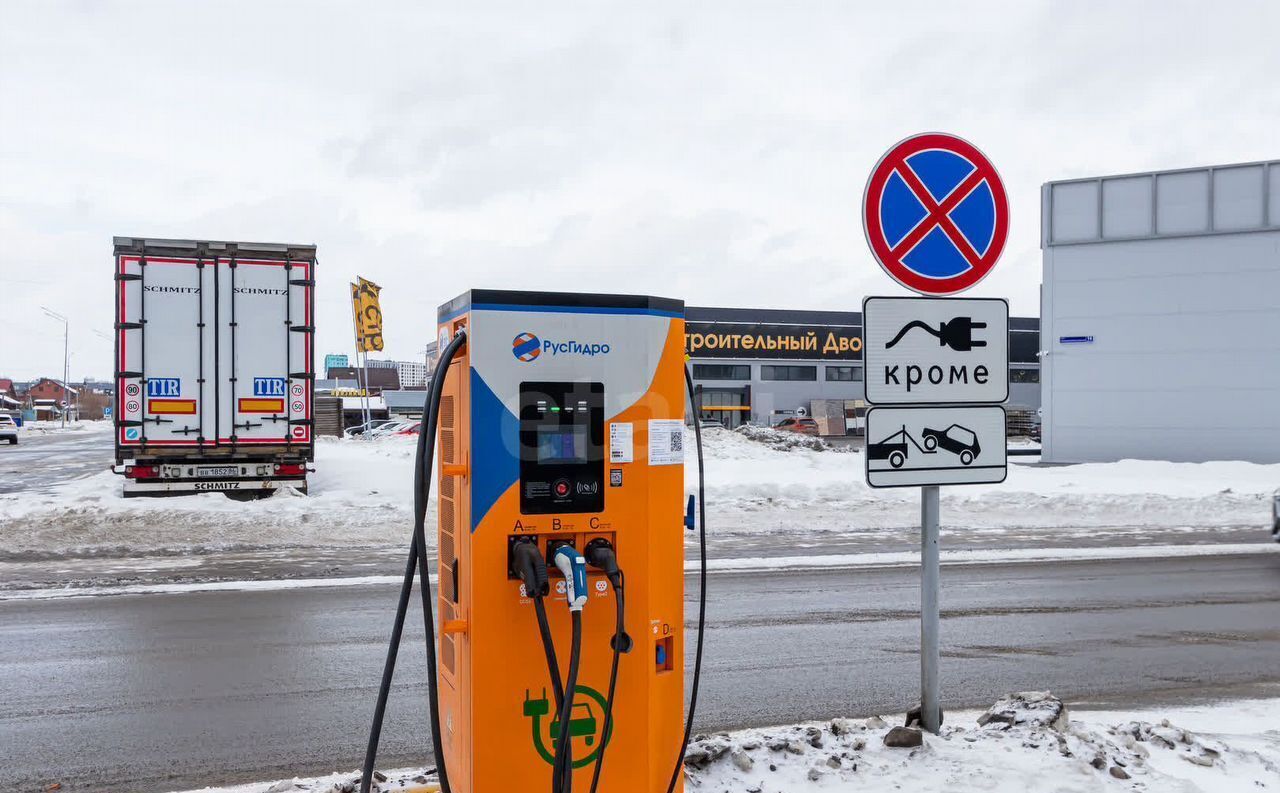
930,616
362,370
936,217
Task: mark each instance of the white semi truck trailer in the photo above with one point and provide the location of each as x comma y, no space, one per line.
215,379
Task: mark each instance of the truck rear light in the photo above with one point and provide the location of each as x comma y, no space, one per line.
290,469
141,471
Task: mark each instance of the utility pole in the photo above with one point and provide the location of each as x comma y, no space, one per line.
66,361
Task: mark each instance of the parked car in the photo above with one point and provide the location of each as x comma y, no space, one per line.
958,440
361,429
413,428
8,429
804,426
1275,516
392,428
707,424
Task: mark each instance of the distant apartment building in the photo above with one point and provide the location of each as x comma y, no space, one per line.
413,374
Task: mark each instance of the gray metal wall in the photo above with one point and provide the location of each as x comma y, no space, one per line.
1176,276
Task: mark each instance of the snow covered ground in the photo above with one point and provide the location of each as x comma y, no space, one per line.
360,497
43,427
1029,742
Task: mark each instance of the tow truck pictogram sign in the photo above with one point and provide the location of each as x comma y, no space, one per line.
936,214
913,446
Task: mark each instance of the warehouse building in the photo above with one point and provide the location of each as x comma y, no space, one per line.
1161,315
754,365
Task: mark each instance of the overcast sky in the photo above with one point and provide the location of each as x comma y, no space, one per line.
714,152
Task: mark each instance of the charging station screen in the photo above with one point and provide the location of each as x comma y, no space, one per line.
561,447
562,444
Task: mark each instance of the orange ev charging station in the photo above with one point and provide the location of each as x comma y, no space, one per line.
560,483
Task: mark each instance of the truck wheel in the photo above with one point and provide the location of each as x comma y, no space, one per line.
897,459
247,495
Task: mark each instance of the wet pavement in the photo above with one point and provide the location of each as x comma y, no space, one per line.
41,459
153,693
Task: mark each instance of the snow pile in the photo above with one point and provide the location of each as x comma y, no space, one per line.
1025,742
360,496
777,439
44,427
755,488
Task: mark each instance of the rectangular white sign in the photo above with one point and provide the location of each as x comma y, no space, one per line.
914,446
926,350
621,442
666,442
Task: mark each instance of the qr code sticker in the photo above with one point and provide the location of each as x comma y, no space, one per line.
677,441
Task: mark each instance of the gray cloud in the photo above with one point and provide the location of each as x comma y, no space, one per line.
711,152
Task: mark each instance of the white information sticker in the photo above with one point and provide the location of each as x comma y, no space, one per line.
621,442
666,442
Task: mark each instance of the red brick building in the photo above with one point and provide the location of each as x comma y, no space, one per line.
47,388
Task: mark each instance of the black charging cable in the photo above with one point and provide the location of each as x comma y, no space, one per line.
562,768
600,554
702,583
529,566
417,562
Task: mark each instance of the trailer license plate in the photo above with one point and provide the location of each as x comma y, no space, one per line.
218,470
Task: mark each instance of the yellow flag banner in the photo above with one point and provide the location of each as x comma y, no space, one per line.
368,315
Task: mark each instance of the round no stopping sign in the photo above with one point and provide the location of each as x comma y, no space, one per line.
935,214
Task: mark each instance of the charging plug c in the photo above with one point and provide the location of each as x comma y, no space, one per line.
600,555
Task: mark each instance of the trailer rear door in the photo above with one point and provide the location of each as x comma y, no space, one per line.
213,350
265,390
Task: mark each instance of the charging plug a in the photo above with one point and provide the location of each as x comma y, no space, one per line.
529,566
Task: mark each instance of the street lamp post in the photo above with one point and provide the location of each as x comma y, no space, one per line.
66,361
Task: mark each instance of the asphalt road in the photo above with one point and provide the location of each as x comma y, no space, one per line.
40,460
163,692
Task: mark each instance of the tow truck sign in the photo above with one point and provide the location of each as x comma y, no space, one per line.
915,446
921,350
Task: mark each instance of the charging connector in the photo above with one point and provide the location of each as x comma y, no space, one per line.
574,567
528,565
600,554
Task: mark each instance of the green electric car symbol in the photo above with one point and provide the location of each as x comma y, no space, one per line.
584,723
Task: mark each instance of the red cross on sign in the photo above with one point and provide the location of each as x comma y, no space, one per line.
936,214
